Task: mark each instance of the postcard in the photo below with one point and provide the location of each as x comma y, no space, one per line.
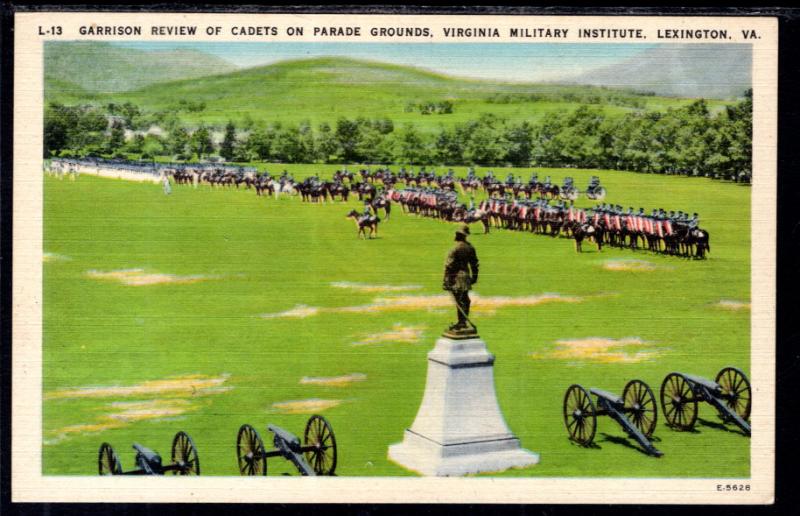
420,258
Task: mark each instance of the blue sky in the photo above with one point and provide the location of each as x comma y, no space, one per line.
500,61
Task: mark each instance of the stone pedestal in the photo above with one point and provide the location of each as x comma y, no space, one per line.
459,428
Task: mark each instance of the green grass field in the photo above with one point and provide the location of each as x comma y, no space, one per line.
262,256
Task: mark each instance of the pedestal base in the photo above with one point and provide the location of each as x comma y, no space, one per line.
427,457
459,428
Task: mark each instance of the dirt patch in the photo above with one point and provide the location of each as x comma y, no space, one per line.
122,414
140,278
131,411
362,287
54,257
333,381
729,304
398,333
298,312
182,386
600,349
309,406
632,265
485,305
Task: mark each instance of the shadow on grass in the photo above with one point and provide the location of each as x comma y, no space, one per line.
627,443
721,426
590,446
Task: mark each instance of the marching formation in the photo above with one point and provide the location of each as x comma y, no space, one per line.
534,206
674,233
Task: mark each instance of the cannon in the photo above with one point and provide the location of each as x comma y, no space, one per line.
635,411
594,191
314,457
184,459
729,393
569,192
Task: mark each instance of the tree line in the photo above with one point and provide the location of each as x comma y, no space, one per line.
690,140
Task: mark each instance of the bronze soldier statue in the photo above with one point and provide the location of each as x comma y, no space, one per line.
460,273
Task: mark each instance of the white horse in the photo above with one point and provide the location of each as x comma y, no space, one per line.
287,188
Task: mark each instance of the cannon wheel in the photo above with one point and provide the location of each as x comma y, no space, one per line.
736,390
580,416
678,402
107,461
184,454
600,193
320,435
250,452
640,404
572,195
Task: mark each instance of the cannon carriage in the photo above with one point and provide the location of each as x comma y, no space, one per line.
595,191
635,411
315,456
184,460
729,393
569,192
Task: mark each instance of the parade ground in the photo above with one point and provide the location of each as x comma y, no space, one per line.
209,308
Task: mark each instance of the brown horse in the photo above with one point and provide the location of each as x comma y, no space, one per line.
364,222
382,203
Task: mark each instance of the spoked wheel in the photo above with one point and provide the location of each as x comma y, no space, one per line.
641,407
570,195
735,389
600,194
319,434
250,452
184,455
678,402
107,461
580,416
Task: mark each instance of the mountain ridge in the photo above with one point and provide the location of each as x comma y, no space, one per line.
693,71
99,67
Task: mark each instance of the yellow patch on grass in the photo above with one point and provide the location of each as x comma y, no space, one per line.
140,278
729,304
122,414
601,349
309,406
485,305
362,287
398,333
190,385
298,312
630,265
333,381
54,257
131,411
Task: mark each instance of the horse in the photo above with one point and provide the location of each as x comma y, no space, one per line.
586,230
495,189
284,186
338,188
478,216
381,202
364,222
365,190
699,238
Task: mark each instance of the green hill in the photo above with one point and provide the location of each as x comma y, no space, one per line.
324,89
75,68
